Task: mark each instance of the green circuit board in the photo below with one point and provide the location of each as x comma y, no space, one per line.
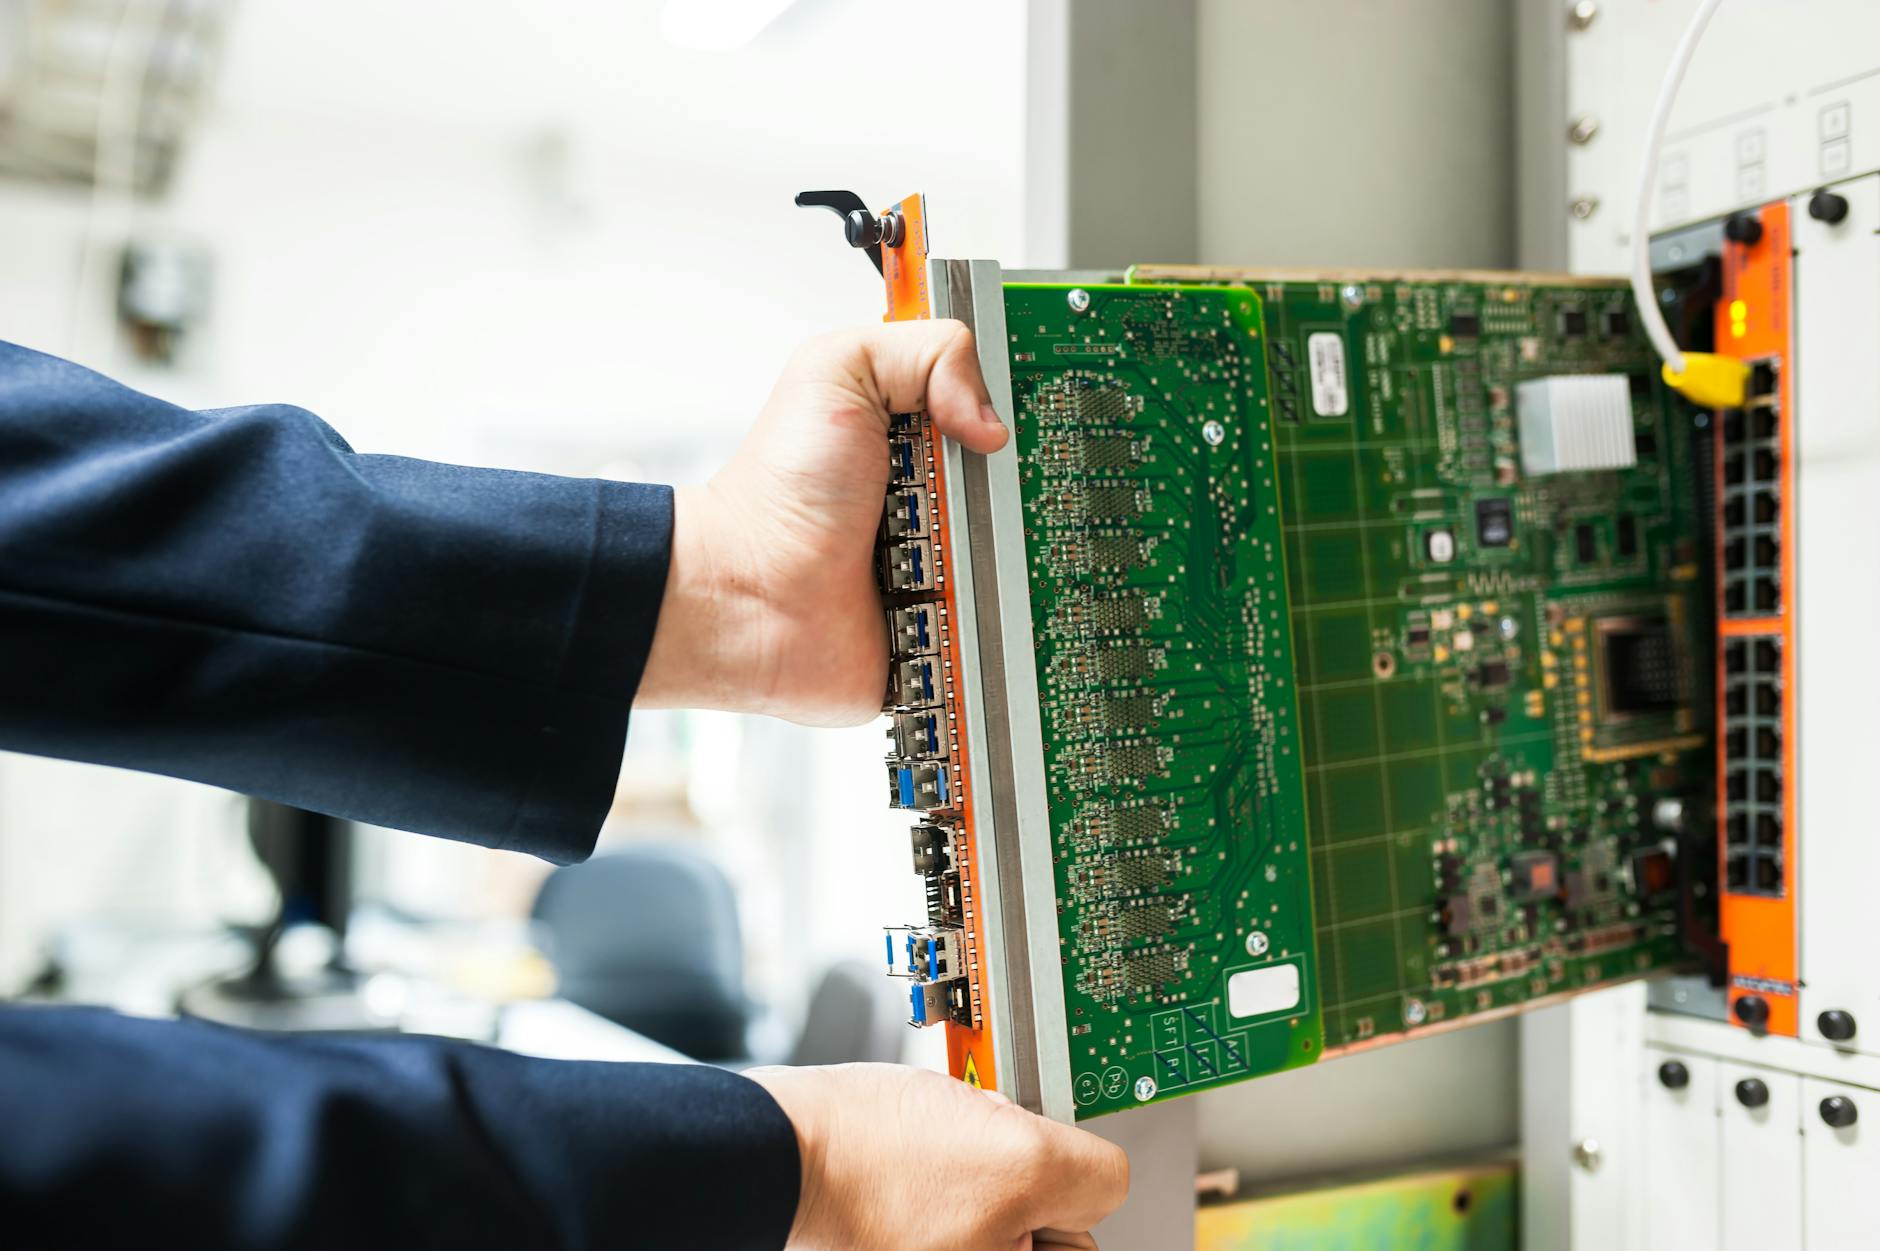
1165,669
1490,681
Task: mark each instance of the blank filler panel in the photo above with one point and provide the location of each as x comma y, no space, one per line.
1682,1159
1762,1157
1838,435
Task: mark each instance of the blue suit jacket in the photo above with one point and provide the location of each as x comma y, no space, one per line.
239,598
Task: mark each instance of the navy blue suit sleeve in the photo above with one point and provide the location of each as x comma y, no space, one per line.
238,598
122,1132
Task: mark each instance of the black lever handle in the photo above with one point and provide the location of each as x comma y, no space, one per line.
860,227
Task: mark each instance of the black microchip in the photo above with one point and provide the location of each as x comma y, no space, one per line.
1627,535
1458,915
1573,323
1639,669
1494,715
1465,325
1585,544
1618,323
1653,872
1418,636
1645,443
1494,522
1536,875
1493,673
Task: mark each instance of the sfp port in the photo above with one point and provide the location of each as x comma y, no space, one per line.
915,683
918,735
908,566
899,423
933,849
907,516
1733,425
934,1002
907,461
914,631
1765,465
919,786
928,1003
928,954
945,904
1763,423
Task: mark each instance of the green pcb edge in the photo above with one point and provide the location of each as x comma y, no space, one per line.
1166,669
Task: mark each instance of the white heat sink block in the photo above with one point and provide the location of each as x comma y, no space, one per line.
1575,422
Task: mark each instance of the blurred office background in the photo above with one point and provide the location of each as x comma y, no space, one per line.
557,235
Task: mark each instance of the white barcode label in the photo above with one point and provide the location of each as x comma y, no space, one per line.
1331,397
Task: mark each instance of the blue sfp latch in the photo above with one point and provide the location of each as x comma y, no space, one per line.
907,512
928,955
904,460
920,785
928,1003
914,631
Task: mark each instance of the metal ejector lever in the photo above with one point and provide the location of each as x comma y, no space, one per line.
859,226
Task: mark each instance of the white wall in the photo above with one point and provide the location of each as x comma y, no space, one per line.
1356,132
530,233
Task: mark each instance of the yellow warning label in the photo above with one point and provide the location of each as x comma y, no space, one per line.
971,1075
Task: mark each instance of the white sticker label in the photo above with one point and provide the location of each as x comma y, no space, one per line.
1330,396
1256,992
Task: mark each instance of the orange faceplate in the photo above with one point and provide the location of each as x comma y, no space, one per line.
904,269
1753,324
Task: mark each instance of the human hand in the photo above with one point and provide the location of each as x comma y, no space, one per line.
907,1159
771,603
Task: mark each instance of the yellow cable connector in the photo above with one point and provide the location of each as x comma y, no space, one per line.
1709,380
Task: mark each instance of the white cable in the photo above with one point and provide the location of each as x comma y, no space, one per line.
1649,312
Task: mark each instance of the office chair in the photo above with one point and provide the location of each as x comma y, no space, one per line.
648,937
854,1014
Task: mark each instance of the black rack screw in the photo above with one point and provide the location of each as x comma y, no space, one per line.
1745,228
1835,1025
1839,1111
1673,1075
1826,206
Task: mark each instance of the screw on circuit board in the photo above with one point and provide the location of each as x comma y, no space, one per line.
1078,299
1214,432
1145,1089
1668,814
1353,295
1584,207
1581,15
1256,943
1584,127
1414,1013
